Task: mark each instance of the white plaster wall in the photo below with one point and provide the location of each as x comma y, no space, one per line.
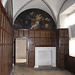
72,30
62,20
67,4
68,8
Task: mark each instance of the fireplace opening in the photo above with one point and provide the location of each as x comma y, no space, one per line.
45,56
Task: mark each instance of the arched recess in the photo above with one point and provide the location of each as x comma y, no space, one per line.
34,19
41,4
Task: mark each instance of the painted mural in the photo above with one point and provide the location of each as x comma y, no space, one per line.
34,19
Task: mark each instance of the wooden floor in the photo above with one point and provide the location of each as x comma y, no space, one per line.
22,70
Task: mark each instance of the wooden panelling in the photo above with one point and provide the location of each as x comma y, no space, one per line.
6,43
42,34
31,33
63,47
48,33
36,38
37,41
0,60
42,41
47,38
31,48
31,54
26,33
21,33
70,64
31,62
0,35
48,41
15,33
0,16
37,33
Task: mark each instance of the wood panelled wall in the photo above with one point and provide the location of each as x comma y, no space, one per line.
70,64
36,38
46,38
6,43
62,47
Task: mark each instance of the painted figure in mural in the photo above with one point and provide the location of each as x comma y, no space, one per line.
38,17
42,22
29,19
36,24
46,25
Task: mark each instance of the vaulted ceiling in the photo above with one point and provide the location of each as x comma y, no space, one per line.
53,7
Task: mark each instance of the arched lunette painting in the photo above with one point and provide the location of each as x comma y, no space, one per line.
34,19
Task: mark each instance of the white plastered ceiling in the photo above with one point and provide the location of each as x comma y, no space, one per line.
50,6
53,7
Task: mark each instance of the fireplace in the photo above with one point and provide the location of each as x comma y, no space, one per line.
45,56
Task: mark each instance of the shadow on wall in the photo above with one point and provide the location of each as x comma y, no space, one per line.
72,31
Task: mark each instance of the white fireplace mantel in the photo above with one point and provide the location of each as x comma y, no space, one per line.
45,56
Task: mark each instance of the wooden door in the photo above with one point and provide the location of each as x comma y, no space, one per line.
20,50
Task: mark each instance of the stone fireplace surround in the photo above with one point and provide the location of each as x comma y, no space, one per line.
45,56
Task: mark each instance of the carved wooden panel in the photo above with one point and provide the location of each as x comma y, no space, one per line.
66,41
31,63
0,35
63,47
48,33
26,33
31,55
42,33
2,20
62,56
31,48
44,38
61,33
15,33
0,17
66,33
62,64
66,49
37,41
31,33
61,40
20,33
6,35
0,59
53,41
48,41
37,33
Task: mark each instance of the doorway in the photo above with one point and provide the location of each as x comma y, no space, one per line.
21,51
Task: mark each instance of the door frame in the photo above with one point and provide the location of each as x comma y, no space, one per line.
14,50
